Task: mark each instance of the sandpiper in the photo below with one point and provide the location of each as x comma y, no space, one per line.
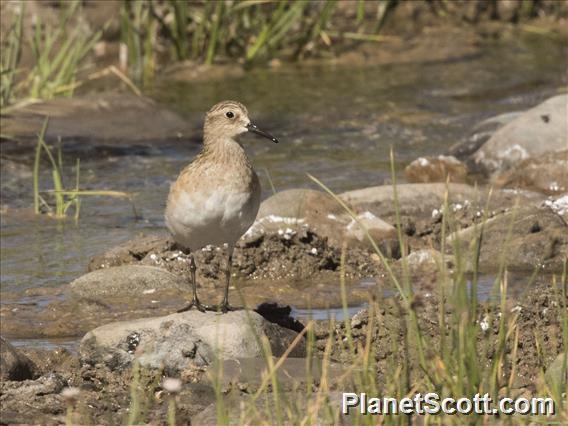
215,199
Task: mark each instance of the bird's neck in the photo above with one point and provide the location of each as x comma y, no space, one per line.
224,150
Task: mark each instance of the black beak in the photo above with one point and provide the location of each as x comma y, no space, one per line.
252,128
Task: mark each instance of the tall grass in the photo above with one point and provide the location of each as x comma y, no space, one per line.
57,54
10,57
152,31
63,199
138,29
250,30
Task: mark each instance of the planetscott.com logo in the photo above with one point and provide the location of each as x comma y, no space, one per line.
431,403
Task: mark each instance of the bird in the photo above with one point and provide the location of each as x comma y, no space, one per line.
215,198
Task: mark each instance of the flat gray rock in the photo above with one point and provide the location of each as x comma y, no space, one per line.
293,209
546,173
126,280
413,198
539,130
175,342
525,239
420,199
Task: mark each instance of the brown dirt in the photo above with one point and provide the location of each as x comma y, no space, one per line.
300,269
539,318
296,255
105,396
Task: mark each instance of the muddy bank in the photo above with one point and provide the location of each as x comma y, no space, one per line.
537,315
293,253
278,265
294,265
105,396
96,123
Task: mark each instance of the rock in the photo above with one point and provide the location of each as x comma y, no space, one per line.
176,341
300,203
436,169
382,233
294,208
231,411
131,251
539,238
126,280
49,384
556,375
547,173
111,118
427,267
480,134
193,398
293,374
429,258
557,205
419,199
539,130
15,365
297,208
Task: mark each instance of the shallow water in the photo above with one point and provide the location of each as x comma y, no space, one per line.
335,122
70,344
486,291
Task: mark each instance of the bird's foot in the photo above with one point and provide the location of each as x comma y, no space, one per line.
225,307
195,304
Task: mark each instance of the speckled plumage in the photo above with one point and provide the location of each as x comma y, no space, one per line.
216,197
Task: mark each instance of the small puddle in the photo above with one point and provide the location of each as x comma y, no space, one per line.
71,344
338,314
486,291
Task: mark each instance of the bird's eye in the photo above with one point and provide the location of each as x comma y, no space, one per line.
230,114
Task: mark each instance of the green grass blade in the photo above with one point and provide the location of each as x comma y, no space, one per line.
213,38
39,146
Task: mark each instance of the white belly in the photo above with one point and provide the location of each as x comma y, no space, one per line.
213,217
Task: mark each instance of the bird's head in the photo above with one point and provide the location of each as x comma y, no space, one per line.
229,119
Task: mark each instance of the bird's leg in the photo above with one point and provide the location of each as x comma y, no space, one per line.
225,307
194,301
